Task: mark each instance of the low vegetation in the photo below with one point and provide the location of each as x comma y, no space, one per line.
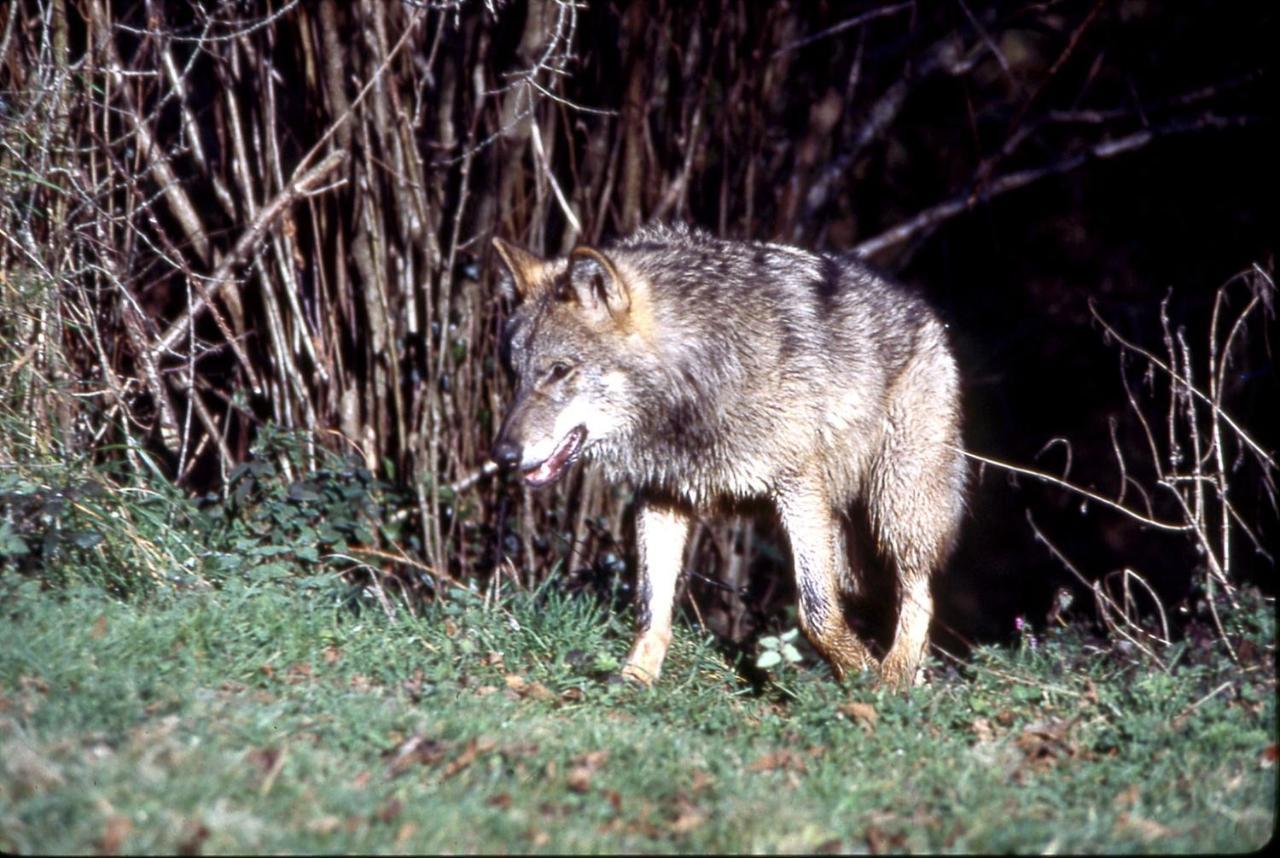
263,700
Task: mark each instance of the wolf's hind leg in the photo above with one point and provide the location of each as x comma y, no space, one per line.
915,498
902,662
914,515
821,567
661,532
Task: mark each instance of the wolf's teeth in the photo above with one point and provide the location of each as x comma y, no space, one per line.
560,457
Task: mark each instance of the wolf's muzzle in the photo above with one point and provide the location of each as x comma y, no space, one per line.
506,454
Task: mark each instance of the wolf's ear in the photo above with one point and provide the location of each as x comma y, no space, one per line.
523,272
597,282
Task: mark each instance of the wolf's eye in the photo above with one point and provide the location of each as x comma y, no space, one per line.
558,371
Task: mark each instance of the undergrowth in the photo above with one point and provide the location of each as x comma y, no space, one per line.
243,687
63,521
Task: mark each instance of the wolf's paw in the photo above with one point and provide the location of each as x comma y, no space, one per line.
901,674
633,675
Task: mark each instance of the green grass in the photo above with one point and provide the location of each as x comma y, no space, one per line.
260,715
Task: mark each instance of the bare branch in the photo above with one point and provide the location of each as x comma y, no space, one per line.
935,215
845,25
1262,454
1079,490
301,186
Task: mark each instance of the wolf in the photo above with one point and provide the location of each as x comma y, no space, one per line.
705,372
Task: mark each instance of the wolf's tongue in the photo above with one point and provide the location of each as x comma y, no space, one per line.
555,463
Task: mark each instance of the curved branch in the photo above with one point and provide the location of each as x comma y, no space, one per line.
301,185
936,214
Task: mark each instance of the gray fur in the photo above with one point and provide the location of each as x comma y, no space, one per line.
703,370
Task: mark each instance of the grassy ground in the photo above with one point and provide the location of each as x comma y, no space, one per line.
279,715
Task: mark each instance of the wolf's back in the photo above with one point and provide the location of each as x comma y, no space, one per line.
765,357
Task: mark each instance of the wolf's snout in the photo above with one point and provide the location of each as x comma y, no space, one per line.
506,454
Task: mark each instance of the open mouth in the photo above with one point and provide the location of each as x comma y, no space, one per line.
553,466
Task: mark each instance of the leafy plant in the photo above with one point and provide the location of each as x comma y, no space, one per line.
278,516
777,650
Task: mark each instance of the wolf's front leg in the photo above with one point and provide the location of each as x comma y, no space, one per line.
661,532
821,566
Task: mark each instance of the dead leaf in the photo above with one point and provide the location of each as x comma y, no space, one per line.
878,842
33,684
781,760
406,831
1147,829
99,628
332,654
416,749
263,759
538,691
1046,742
583,767
1128,796
324,825
687,819
1248,653
450,628
579,778
524,688
863,714
501,801
1267,758
485,690
390,810
1005,718
539,838
981,728
194,836
494,659
573,695
117,829
155,707
474,749
361,780
592,759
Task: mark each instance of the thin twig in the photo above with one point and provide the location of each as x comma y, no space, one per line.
1262,454
301,186
1080,490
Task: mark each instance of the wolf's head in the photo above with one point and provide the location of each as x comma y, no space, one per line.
573,346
